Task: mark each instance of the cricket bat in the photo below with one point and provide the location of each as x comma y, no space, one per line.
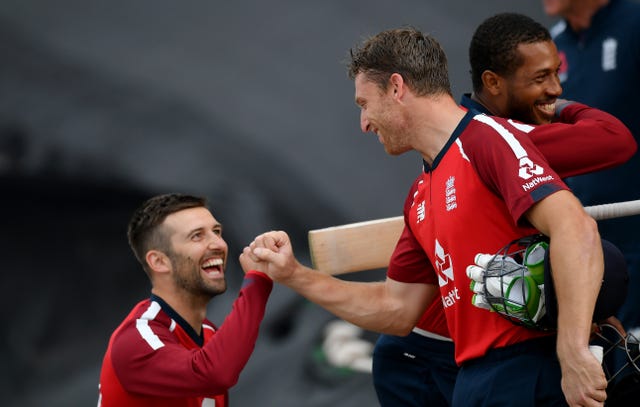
368,245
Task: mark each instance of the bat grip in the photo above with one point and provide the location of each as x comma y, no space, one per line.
614,210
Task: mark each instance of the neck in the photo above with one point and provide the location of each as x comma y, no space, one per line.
437,120
484,101
579,16
192,309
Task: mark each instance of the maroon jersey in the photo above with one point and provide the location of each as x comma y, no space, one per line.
586,140
472,200
155,358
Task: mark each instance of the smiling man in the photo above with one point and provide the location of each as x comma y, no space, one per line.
514,72
402,89
165,352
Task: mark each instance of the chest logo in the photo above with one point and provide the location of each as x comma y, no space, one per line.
450,194
444,266
420,212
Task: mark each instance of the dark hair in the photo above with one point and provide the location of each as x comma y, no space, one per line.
419,58
144,231
494,45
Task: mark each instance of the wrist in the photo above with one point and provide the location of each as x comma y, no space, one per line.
560,105
258,273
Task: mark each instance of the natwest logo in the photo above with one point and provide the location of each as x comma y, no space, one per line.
444,266
535,182
528,169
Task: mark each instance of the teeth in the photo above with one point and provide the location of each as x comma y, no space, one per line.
549,107
212,263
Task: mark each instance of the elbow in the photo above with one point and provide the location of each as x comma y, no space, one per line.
405,330
400,329
632,148
227,381
401,326
626,149
590,231
223,382
217,376
397,331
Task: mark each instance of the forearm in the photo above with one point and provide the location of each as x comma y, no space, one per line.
227,353
577,264
375,306
576,269
585,140
389,307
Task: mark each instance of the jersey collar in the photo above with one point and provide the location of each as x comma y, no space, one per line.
456,133
198,339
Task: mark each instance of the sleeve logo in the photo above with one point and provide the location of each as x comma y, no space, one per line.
528,169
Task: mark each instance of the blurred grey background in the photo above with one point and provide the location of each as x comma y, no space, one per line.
103,104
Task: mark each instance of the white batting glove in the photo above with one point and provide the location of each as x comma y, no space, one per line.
481,276
495,275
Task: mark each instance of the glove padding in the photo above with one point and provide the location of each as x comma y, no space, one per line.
501,284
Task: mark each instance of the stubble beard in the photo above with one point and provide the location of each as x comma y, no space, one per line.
524,112
189,279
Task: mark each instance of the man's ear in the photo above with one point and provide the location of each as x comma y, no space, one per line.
158,261
396,82
492,82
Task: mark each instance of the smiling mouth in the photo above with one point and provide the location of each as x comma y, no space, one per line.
549,108
213,267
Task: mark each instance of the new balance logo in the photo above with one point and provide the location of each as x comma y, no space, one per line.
421,212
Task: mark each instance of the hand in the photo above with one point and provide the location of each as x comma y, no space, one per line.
501,284
250,262
274,253
477,272
583,380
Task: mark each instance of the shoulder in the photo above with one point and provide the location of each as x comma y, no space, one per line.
492,141
144,326
624,15
485,129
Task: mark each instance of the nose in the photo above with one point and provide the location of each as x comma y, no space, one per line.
216,241
554,87
364,122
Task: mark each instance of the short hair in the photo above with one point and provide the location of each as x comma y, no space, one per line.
144,232
494,45
419,58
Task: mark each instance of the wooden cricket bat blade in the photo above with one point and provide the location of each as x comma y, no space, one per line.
355,246
369,245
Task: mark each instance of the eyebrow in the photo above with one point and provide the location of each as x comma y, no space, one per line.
200,228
